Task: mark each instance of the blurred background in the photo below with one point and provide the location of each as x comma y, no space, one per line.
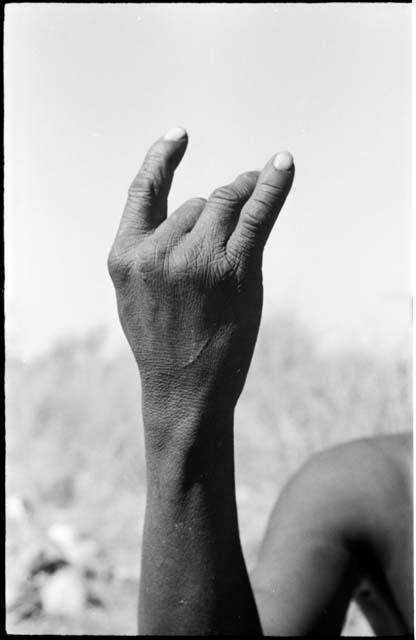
87,89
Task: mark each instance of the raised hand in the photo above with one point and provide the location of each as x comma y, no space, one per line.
189,293
189,286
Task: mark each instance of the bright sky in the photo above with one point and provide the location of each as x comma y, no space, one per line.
89,87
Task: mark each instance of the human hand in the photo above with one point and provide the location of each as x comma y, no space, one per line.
189,286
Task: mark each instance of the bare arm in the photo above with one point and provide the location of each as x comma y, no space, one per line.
332,526
189,293
194,579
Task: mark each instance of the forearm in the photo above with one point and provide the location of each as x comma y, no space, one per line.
194,579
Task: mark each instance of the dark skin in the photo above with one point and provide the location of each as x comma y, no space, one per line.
341,529
189,295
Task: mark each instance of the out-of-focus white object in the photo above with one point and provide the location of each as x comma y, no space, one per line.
17,508
77,548
64,593
11,592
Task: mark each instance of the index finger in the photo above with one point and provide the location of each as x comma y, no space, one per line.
146,205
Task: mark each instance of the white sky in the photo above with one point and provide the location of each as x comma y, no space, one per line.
89,87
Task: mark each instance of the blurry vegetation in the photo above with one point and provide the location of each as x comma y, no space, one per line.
76,470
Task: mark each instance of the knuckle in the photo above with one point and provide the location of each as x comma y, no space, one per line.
261,201
151,258
262,208
180,271
188,263
196,202
146,261
225,196
147,185
276,189
141,189
249,175
155,157
269,194
245,183
118,266
253,217
234,254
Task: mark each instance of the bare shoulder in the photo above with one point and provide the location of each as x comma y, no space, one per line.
397,452
360,486
345,515
389,455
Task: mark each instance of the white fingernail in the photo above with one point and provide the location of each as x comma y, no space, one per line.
175,134
283,161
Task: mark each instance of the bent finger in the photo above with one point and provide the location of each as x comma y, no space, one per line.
181,221
223,207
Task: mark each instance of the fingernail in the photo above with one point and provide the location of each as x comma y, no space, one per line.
283,161
175,134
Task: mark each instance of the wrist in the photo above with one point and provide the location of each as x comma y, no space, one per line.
186,441
187,404
202,473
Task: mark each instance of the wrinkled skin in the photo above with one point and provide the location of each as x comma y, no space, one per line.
189,286
189,294
189,313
